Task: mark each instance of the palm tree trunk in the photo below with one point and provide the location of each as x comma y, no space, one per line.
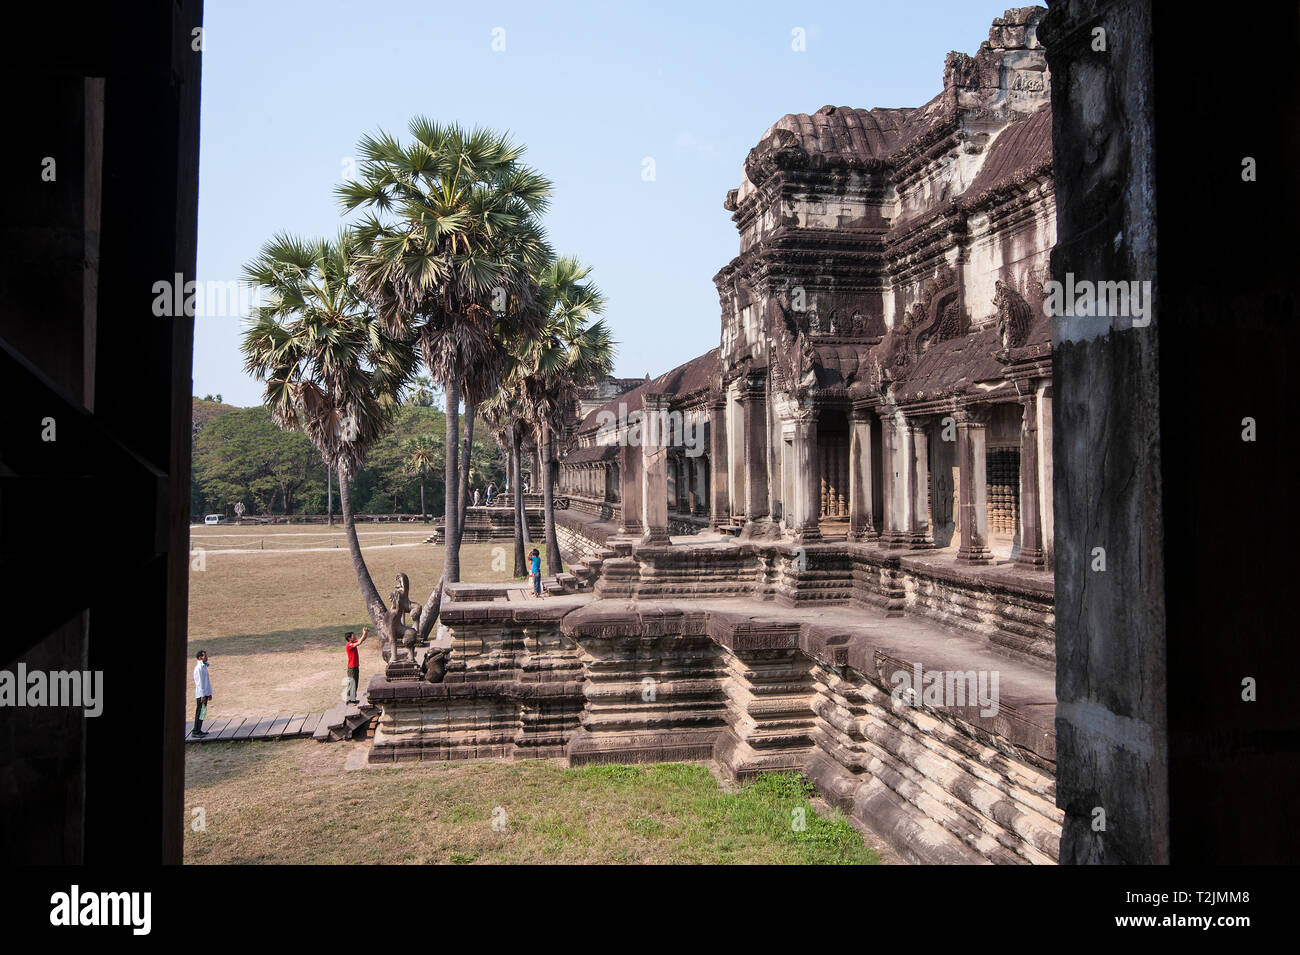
516,502
452,520
369,593
432,607
451,516
553,563
470,412
520,503
423,514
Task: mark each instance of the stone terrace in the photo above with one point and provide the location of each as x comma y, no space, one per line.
775,684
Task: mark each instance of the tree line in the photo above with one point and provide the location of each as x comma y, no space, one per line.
445,269
241,456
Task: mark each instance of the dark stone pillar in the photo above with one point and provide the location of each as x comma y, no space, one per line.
893,528
1031,534
974,517
629,472
1111,717
918,469
861,522
654,470
807,480
720,507
756,497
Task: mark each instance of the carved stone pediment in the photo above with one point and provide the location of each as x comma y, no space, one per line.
1014,315
937,316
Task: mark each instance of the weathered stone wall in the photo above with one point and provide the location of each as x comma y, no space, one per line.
578,539
1011,609
599,509
513,688
605,681
925,781
676,570
652,691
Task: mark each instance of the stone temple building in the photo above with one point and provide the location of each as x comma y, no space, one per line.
884,370
825,544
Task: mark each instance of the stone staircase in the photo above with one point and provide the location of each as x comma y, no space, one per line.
345,721
584,573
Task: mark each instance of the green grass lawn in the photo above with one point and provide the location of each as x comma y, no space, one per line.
293,802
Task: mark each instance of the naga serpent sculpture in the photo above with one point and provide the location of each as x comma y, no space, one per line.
397,640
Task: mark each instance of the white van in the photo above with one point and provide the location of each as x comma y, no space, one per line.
215,519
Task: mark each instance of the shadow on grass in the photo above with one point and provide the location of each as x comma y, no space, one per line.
209,764
280,641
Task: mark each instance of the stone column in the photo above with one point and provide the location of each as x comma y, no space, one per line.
807,480
629,473
861,522
1045,465
720,507
692,482
756,499
654,470
974,518
841,473
918,467
893,483
1031,534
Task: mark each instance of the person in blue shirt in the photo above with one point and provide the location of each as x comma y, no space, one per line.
535,570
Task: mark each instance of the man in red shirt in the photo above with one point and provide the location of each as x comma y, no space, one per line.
354,661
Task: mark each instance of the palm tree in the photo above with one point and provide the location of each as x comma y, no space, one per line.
330,368
452,229
570,351
422,454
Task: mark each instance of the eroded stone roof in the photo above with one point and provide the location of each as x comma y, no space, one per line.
840,132
683,380
1022,147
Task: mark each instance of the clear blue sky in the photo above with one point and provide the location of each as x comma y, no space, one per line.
590,89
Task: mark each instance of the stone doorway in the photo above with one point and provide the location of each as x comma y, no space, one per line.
833,475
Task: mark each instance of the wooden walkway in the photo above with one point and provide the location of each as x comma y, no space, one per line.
285,726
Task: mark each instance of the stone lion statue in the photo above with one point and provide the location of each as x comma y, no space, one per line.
435,665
